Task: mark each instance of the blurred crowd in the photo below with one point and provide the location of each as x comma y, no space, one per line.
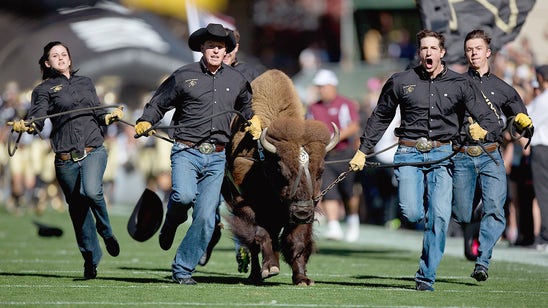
27,179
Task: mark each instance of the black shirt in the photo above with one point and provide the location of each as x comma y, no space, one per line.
196,94
73,131
499,95
249,72
430,108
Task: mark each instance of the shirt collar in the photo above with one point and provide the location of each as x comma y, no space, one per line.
475,74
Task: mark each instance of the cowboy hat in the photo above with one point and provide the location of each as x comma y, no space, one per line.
146,217
214,32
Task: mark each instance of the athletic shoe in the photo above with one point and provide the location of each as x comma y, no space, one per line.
480,273
186,280
334,231
167,234
113,248
242,257
423,286
90,271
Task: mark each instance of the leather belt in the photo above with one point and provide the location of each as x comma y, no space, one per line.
74,155
203,147
422,144
476,150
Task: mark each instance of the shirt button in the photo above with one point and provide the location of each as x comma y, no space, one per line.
215,102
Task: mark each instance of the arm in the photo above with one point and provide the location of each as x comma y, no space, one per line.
483,112
381,117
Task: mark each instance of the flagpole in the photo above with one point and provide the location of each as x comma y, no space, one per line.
193,20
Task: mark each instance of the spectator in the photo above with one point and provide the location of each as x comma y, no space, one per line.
335,108
538,109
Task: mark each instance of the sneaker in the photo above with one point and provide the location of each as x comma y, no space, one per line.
167,234
334,231
90,272
185,280
423,286
113,248
480,273
352,233
242,257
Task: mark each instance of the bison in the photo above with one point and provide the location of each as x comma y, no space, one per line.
272,182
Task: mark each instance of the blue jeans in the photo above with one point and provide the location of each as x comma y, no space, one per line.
196,182
492,180
82,185
425,193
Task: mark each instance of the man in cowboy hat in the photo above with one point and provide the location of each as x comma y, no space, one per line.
204,95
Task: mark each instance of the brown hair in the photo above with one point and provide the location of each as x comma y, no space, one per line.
236,34
478,34
429,33
48,72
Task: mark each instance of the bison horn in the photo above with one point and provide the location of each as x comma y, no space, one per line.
335,139
266,144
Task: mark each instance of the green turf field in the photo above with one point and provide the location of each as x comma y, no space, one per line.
375,272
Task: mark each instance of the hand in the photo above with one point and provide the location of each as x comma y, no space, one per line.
254,127
358,161
476,131
20,127
522,121
142,127
114,116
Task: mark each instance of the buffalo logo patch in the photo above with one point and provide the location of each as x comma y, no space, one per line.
409,88
191,82
57,88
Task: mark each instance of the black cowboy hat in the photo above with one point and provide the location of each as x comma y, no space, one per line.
146,217
214,32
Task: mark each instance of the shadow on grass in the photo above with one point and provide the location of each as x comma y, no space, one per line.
384,253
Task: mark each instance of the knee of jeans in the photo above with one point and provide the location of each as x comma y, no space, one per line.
411,214
181,198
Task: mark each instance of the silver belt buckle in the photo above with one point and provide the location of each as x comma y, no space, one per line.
206,148
474,150
75,156
423,145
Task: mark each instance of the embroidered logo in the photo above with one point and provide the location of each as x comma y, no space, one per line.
191,82
409,88
57,88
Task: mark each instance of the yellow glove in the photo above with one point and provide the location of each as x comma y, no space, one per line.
254,127
142,127
20,127
358,161
522,121
476,131
115,115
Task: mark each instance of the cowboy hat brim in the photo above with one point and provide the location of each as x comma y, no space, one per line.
214,32
147,216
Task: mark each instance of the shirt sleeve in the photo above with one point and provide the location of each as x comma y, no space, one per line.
381,117
161,101
243,102
482,111
39,106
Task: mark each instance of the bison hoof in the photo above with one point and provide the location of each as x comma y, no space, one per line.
306,283
273,271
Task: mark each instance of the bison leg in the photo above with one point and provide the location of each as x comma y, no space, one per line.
297,247
271,266
258,240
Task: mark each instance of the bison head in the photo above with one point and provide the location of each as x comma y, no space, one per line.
299,147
